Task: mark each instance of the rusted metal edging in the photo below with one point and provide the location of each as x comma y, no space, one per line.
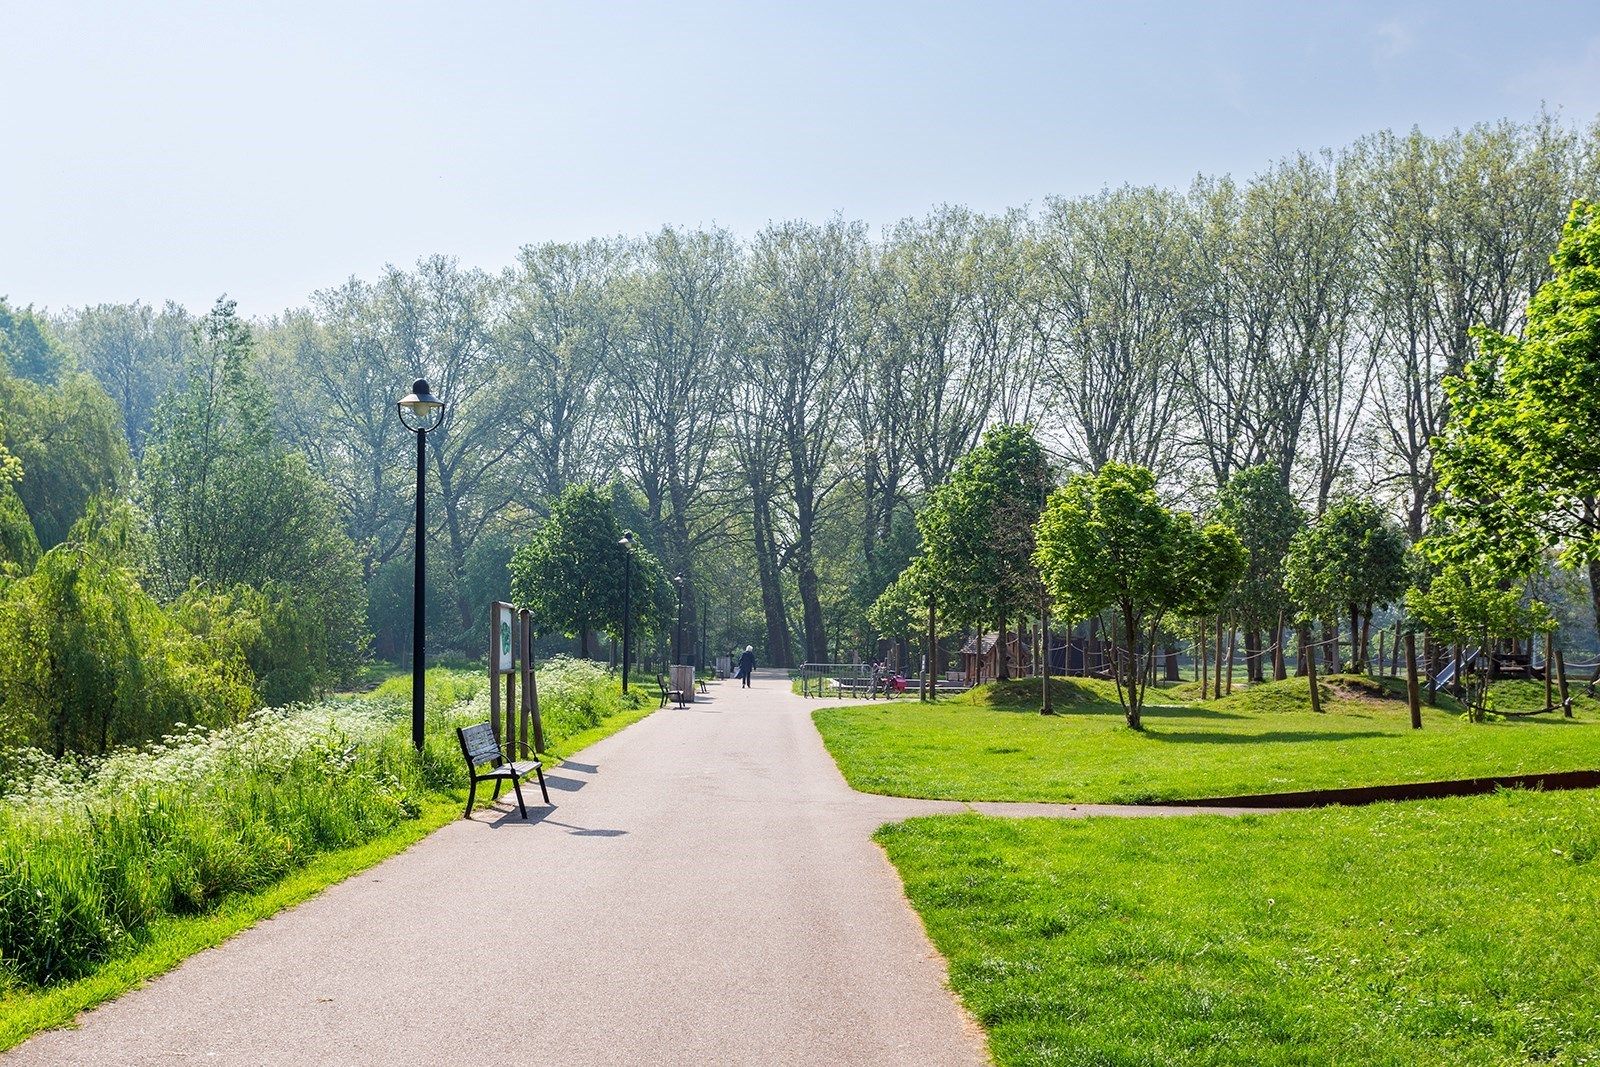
1373,794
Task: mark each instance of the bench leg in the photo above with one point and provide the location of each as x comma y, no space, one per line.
542,789
498,782
517,788
472,794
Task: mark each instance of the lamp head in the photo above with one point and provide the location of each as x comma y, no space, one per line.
421,405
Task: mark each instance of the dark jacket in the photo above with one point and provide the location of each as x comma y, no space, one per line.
747,663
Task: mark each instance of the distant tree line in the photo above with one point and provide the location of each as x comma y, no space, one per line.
772,416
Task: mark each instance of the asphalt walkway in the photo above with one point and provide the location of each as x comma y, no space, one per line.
704,891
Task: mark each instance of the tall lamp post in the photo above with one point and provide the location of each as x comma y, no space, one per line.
677,636
627,602
419,411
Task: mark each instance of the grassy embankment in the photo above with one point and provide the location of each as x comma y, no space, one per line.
1459,932
991,744
113,872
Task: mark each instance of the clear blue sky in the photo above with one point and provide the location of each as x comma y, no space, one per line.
179,150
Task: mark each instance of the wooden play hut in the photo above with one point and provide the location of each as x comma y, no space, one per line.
980,657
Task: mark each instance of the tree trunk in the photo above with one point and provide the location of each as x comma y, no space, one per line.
1412,697
1201,656
1002,658
1316,692
931,688
810,602
779,642
1135,704
1252,654
1280,669
1216,686
1046,706
1233,636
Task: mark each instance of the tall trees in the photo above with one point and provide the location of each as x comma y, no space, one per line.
684,322
561,326
228,505
335,374
437,320
1460,229
802,305
136,352
1111,315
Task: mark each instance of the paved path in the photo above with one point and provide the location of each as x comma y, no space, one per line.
705,891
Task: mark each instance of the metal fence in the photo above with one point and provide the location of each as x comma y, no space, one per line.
840,680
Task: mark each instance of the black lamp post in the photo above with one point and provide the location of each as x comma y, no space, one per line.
677,636
420,411
627,602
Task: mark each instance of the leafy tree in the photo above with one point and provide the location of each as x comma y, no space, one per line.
229,506
1108,544
68,440
1519,469
1256,504
1460,606
915,603
28,347
88,660
570,573
19,546
135,352
978,530
1348,562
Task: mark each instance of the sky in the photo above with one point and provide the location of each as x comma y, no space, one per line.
185,150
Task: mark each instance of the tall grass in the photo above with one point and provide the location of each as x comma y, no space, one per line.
92,851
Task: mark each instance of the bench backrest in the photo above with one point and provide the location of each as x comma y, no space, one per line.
478,744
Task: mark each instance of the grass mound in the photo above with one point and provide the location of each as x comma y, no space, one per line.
1025,694
1459,932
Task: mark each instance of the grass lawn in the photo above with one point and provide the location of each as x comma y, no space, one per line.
1444,932
991,746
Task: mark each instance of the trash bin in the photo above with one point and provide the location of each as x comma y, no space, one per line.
683,679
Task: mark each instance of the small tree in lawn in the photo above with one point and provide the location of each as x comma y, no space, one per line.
1348,562
914,603
1108,544
978,530
1257,505
1467,604
570,573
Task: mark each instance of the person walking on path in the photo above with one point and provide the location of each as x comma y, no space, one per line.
747,665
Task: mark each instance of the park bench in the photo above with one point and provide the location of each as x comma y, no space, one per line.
669,693
481,749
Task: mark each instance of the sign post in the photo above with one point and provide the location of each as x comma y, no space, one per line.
530,689
502,660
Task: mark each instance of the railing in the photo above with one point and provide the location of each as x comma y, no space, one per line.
844,679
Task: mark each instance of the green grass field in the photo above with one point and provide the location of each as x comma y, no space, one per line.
1460,932
993,745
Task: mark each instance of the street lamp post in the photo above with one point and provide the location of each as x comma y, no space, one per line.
425,412
677,627
627,602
